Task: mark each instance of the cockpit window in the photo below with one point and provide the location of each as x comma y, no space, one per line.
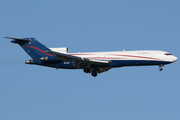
168,54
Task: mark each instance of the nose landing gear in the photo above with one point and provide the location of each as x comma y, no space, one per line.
160,67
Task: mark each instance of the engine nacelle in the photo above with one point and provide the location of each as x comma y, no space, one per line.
29,62
61,49
48,58
44,58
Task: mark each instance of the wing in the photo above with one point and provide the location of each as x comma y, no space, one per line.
79,62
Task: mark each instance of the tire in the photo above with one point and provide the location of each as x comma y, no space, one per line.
86,70
94,74
160,69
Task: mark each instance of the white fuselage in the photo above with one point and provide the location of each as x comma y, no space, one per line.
143,55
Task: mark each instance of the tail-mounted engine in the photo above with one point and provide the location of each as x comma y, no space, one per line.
29,62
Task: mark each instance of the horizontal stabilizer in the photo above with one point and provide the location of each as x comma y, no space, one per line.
18,39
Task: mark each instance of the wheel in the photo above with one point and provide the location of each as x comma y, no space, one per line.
86,70
94,74
160,69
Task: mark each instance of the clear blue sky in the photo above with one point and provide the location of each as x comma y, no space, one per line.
29,92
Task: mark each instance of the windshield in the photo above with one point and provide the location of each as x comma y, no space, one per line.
168,54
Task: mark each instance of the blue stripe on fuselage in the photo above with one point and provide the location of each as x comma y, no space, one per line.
121,63
114,63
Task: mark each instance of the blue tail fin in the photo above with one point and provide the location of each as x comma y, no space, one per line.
32,47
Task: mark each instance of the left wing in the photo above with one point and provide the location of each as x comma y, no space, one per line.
79,62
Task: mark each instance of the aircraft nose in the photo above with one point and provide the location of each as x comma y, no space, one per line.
174,58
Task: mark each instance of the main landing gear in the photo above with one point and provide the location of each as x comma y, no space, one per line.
86,70
93,72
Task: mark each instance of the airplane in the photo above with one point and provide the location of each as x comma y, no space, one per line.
91,62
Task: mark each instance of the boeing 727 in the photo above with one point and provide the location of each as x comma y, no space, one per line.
91,62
